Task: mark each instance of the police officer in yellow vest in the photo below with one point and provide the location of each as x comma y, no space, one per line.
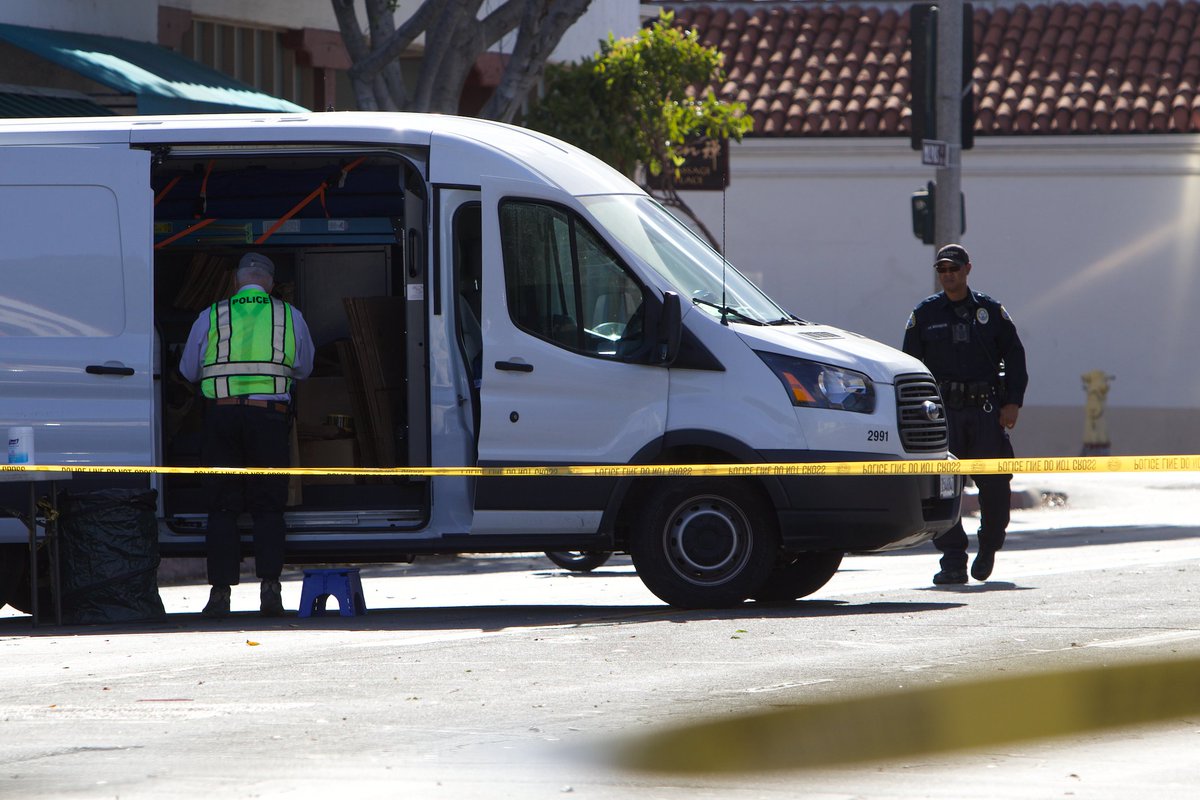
245,352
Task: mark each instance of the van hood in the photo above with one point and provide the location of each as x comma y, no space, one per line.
831,345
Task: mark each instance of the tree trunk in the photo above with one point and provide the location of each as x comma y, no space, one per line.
542,27
357,48
390,88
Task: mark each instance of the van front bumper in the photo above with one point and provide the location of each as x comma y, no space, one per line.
860,513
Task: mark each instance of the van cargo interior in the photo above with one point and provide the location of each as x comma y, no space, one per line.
334,225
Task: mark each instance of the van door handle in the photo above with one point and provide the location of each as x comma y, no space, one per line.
105,369
514,366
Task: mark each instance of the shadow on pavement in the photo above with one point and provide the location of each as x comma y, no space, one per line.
978,588
484,619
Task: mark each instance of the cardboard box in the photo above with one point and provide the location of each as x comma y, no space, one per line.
318,453
316,399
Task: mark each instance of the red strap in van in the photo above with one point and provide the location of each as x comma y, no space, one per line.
318,192
185,232
166,189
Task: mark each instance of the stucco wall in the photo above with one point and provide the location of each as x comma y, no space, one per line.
131,19
1091,243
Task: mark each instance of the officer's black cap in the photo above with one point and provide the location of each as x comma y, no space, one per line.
954,253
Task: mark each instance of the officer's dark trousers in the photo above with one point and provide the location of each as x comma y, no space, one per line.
975,433
245,436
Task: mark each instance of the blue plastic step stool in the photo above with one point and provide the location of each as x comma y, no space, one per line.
343,584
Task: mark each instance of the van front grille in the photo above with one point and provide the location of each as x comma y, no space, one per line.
920,414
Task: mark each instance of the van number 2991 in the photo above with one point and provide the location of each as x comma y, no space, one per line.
877,436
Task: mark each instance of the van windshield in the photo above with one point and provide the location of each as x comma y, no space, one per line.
684,259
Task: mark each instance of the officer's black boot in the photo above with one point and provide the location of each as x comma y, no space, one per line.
950,575
270,599
218,603
981,568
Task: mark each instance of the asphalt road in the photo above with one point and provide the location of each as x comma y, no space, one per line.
503,677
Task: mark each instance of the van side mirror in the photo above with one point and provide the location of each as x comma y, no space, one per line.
670,329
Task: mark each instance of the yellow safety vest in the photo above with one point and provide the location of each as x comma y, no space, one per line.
251,346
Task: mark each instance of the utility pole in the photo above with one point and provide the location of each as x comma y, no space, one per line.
947,219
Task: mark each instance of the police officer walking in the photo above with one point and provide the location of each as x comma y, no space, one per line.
969,343
245,352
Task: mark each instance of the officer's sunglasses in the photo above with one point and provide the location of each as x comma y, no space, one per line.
948,268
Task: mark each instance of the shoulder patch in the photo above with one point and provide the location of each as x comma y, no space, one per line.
1004,313
912,321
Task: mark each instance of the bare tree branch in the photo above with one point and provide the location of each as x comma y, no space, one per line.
455,37
383,98
456,31
542,27
501,21
381,21
383,53
357,48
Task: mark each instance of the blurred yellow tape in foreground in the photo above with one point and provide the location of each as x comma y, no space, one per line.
923,721
971,466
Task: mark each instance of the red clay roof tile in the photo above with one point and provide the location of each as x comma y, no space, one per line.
1080,67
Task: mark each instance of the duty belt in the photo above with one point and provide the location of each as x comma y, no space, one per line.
270,405
964,394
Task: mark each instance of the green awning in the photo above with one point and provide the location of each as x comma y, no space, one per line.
28,101
164,81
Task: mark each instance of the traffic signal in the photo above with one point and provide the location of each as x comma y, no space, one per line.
923,213
923,83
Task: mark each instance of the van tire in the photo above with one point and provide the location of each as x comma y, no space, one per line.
705,543
798,577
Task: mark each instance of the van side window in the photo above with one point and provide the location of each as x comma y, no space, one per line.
70,285
564,284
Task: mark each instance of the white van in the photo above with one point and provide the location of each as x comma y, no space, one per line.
479,294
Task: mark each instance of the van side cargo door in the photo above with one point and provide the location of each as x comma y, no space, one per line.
76,303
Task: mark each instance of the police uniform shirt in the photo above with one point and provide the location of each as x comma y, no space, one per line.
968,341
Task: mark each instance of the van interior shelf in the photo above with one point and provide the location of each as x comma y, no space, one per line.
295,231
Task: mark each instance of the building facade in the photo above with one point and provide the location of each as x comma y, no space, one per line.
290,50
1081,190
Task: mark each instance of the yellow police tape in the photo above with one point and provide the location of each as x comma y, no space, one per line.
922,721
970,466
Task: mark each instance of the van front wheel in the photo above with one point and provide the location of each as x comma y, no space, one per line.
705,543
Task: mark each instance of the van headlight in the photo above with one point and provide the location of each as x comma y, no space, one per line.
809,383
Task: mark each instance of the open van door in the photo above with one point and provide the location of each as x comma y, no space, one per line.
76,301
564,379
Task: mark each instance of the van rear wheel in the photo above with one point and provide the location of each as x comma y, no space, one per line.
705,543
798,577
